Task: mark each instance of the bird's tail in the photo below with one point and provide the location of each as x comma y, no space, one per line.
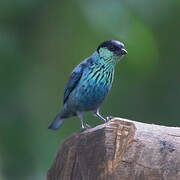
56,123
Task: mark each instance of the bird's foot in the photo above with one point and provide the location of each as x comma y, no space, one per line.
87,126
108,118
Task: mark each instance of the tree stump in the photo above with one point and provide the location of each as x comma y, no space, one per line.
119,150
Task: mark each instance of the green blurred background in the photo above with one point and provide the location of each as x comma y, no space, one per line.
41,41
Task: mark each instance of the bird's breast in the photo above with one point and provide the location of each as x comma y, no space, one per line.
92,89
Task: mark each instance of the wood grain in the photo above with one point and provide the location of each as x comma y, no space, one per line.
119,150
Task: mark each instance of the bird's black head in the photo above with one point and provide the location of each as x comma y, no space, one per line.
114,46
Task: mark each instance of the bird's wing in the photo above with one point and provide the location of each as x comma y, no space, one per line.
75,77
73,81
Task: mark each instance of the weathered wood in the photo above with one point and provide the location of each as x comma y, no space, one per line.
119,150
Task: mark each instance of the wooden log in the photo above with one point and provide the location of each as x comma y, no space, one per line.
119,150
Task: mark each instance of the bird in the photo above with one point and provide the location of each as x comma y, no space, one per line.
90,83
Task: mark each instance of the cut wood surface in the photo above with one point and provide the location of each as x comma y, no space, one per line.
119,150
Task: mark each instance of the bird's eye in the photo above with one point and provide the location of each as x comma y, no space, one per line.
117,49
114,48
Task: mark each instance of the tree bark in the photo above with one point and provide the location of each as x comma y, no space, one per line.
119,150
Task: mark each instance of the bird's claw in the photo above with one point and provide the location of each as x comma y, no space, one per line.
108,118
87,126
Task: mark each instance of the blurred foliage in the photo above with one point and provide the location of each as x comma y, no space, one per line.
41,41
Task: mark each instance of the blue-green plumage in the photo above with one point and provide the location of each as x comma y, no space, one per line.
90,83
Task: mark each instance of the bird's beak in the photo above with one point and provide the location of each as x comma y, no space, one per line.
124,51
